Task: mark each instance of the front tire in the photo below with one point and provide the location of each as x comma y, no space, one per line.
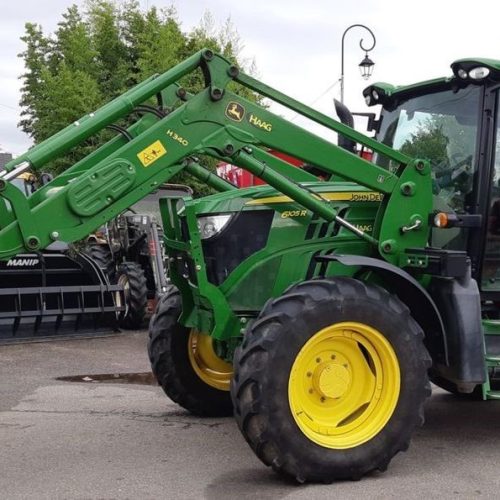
185,364
330,380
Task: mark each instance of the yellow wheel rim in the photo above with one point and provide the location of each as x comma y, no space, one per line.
344,385
208,366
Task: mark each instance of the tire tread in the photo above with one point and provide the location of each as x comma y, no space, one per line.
260,337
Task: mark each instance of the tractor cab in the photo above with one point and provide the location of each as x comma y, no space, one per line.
454,123
26,183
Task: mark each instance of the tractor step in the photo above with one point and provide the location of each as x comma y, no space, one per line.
493,395
491,330
491,326
492,347
492,360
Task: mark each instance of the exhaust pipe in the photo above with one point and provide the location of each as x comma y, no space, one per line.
345,117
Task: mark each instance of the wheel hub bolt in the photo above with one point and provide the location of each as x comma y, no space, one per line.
323,399
309,374
318,360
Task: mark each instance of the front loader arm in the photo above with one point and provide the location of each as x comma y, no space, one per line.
221,124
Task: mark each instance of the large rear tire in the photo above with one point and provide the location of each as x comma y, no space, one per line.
330,380
131,276
185,364
102,256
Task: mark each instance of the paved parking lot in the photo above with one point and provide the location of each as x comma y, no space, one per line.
112,440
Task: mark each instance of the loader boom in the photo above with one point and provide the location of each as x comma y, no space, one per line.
215,122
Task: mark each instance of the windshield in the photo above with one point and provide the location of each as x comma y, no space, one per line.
23,185
440,127
19,183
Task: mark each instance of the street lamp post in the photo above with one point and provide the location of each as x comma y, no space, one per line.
365,66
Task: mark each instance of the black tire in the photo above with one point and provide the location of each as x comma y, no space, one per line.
172,367
102,256
264,361
131,275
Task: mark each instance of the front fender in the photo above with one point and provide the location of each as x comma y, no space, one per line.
411,292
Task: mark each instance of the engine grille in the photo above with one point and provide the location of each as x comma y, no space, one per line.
246,234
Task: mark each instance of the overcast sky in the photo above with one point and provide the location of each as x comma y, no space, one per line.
296,43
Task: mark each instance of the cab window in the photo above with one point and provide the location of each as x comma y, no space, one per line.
440,127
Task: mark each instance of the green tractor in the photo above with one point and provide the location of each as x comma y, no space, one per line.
317,311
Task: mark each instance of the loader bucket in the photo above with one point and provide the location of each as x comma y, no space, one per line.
55,293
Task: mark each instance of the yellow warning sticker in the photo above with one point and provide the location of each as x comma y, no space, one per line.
150,154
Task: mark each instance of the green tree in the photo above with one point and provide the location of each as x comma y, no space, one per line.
73,43
441,139
133,26
111,60
98,53
68,95
160,44
35,58
428,142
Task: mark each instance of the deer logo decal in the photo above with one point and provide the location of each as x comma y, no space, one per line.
235,111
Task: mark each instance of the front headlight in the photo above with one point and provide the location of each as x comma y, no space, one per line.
211,225
479,73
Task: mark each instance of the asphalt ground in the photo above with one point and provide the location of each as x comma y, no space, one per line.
100,440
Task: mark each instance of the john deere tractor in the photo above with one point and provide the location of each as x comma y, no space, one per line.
317,311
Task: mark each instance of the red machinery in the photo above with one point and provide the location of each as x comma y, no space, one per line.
243,178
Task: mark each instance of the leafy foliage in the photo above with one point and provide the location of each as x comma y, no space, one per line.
440,139
428,142
98,53
449,146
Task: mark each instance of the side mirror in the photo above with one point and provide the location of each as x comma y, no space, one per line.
45,178
373,124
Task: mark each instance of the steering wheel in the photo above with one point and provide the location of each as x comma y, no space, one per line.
448,176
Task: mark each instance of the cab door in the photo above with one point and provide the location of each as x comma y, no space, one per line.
442,125
489,199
